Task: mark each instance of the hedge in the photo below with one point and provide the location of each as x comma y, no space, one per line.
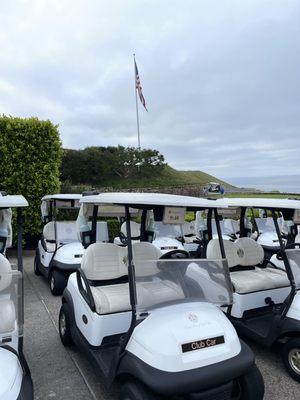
30,158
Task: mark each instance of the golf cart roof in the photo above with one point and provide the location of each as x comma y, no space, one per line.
62,197
11,201
153,199
276,204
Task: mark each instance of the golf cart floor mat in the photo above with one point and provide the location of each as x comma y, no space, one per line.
259,325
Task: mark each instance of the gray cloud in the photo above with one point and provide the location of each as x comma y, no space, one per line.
221,78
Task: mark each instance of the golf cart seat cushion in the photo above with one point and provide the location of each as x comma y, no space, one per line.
158,292
66,231
104,261
7,316
253,253
135,229
5,273
277,276
111,298
250,281
143,253
232,252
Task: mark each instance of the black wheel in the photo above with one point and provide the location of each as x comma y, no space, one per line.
291,357
135,390
58,282
64,324
250,386
35,266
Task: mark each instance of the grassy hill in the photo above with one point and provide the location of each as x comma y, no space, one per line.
169,177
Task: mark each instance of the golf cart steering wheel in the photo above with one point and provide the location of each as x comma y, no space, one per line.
289,246
175,254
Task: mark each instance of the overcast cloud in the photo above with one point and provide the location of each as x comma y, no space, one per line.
220,77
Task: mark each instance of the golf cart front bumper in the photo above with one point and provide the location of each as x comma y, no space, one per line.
197,380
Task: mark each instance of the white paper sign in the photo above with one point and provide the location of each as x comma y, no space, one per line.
174,215
296,218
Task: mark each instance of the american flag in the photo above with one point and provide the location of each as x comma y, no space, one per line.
138,86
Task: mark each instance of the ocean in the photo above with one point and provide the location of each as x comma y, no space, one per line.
283,184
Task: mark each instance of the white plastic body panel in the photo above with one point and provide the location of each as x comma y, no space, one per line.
294,311
269,240
98,326
66,253
250,301
278,263
158,339
45,257
161,242
11,375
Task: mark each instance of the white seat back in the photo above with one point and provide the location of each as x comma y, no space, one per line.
66,231
135,229
253,251
5,273
104,261
145,251
189,228
232,252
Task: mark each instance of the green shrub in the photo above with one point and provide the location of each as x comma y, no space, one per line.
30,157
113,227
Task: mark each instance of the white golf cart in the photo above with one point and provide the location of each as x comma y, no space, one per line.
266,299
152,322
59,251
15,378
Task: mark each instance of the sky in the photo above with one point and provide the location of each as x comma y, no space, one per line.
220,77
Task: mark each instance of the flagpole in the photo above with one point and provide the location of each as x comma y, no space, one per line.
136,106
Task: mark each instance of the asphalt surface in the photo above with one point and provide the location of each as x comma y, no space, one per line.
64,374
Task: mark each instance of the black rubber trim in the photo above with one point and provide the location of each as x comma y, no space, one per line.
26,392
189,381
64,267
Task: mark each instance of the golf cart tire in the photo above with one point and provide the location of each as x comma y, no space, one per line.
58,282
65,335
37,272
252,385
135,390
291,344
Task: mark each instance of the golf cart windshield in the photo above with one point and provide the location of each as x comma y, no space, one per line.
167,230
11,306
293,256
165,281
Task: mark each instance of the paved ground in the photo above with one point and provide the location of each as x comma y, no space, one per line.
62,374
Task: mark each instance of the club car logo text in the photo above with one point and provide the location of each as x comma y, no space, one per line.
202,344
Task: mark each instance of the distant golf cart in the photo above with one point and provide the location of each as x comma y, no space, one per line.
15,378
152,321
266,232
59,251
266,299
213,188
